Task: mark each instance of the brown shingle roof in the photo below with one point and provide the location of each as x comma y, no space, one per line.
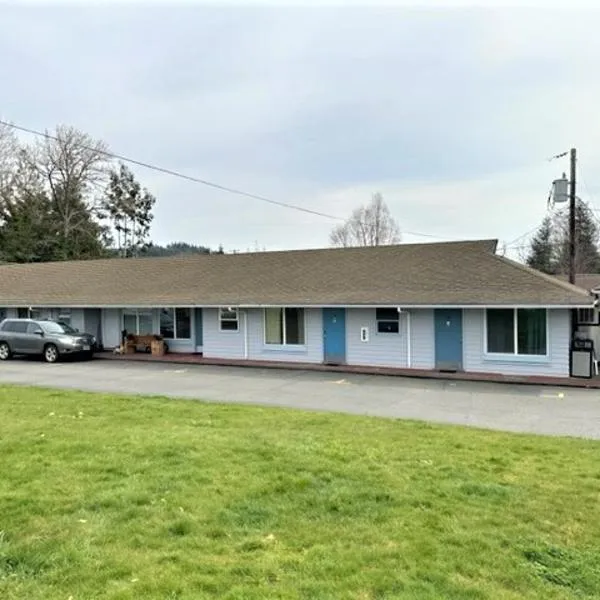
587,281
453,273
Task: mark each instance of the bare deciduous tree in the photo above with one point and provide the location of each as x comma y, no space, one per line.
369,225
70,165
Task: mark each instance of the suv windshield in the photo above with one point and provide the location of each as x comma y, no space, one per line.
57,327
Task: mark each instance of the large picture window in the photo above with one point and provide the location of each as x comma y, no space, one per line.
388,320
176,323
520,331
284,326
138,321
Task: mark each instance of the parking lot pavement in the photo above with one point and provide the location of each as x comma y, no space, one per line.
509,407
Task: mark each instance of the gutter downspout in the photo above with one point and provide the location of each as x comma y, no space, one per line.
246,334
408,341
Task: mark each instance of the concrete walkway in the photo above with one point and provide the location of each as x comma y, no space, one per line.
509,407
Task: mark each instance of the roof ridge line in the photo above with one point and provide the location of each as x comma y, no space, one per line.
549,278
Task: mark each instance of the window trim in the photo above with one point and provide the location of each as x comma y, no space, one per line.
284,345
236,320
515,356
136,311
173,310
396,321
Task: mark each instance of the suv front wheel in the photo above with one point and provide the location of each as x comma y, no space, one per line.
51,353
4,351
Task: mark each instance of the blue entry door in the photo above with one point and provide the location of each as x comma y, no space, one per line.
334,335
448,339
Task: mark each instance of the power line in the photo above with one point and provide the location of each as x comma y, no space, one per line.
152,167
205,182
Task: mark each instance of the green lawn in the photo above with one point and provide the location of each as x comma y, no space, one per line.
131,498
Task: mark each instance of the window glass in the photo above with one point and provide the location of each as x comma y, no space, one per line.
531,331
387,314
294,326
167,323
183,321
130,322
33,328
64,315
387,320
145,325
19,326
501,331
23,312
284,326
273,326
57,327
228,319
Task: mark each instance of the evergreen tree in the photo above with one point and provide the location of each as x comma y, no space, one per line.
28,232
129,209
542,253
587,235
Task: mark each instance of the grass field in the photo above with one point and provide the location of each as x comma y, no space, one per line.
130,498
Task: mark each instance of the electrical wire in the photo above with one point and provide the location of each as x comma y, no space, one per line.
152,167
205,182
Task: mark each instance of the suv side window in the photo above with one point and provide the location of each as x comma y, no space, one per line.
8,326
33,328
19,326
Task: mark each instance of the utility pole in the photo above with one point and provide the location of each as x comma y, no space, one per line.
572,198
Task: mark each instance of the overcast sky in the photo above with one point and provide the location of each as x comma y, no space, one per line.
451,113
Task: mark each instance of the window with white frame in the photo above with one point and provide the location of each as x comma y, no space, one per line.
284,326
64,315
587,316
138,321
388,320
229,319
517,331
176,323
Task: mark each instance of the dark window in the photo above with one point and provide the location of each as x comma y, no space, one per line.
501,331
284,326
388,320
531,331
167,323
521,331
22,313
229,319
183,323
18,326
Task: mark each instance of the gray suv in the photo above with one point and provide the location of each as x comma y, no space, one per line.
50,339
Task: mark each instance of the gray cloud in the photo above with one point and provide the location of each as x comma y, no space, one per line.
318,106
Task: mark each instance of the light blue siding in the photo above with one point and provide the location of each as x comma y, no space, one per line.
248,341
555,365
390,349
91,322
310,352
111,327
381,349
77,319
198,328
221,344
422,338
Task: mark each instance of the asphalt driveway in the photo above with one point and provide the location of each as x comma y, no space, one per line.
521,408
